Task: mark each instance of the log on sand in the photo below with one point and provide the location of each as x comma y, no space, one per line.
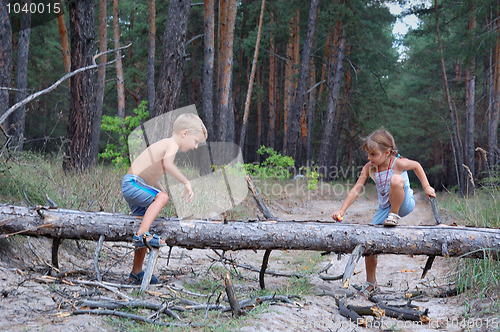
270,234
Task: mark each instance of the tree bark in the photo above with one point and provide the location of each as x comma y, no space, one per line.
63,33
251,79
298,105
5,57
23,46
241,235
101,74
151,53
82,99
208,66
172,66
225,130
120,84
459,159
334,79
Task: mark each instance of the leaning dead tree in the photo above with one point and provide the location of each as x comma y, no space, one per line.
270,234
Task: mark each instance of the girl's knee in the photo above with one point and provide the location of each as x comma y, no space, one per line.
397,181
162,198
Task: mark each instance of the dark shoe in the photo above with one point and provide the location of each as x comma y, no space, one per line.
136,279
141,241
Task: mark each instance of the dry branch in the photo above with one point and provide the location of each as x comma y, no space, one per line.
241,235
59,81
351,264
231,296
350,314
125,315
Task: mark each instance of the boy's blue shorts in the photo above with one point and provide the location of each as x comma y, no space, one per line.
405,209
138,194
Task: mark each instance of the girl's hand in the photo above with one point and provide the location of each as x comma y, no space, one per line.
189,191
430,192
338,215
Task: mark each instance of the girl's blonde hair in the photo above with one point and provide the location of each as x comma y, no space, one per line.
191,122
380,140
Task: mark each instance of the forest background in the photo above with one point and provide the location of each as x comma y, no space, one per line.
327,74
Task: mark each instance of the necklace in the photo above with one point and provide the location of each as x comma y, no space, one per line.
383,187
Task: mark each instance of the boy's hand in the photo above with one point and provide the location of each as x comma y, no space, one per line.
189,191
430,192
338,215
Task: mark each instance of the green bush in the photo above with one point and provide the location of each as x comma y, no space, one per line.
120,130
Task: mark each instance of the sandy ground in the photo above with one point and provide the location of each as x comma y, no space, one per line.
28,303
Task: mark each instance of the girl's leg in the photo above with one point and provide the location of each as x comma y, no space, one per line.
371,270
396,193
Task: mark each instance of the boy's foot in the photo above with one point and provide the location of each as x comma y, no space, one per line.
369,289
136,279
392,220
148,240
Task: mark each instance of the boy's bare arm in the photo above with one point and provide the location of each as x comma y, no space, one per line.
169,166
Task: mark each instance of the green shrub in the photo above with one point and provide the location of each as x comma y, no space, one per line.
120,130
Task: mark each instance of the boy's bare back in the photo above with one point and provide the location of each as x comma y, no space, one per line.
149,165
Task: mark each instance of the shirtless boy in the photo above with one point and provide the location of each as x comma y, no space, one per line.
141,185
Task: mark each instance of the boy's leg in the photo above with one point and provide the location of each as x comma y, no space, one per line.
139,255
396,193
152,212
371,270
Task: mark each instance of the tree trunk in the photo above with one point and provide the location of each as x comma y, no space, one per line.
493,150
252,76
459,159
241,235
298,105
5,58
82,100
151,54
470,92
292,61
23,45
260,73
225,130
341,114
208,66
101,75
307,130
120,84
272,86
334,79
172,66
63,33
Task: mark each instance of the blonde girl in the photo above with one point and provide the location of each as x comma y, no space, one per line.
395,197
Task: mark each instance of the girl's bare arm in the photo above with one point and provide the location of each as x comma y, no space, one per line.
404,164
353,193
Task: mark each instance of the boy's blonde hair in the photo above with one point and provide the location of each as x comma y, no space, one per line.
380,140
191,122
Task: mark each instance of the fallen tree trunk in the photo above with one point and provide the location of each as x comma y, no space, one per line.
269,234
